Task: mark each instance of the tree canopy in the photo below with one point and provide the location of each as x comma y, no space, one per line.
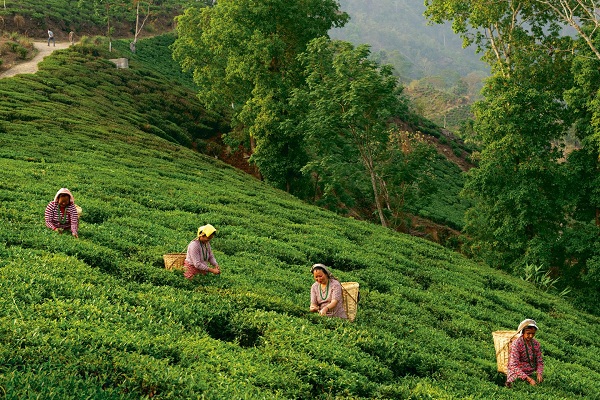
535,196
349,104
244,58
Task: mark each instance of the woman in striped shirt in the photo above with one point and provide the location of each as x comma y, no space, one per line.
61,214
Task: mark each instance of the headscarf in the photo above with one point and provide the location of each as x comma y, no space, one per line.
206,230
64,191
324,268
526,323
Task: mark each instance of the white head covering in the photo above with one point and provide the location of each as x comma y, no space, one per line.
323,267
526,323
67,192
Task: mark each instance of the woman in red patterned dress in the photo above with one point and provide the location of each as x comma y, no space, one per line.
525,359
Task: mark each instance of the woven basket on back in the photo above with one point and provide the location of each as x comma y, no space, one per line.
350,298
174,260
79,211
502,341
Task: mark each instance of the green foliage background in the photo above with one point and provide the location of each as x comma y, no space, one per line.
443,79
99,316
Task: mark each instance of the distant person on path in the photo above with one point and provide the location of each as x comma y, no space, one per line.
51,38
199,254
61,213
525,358
326,293
72,38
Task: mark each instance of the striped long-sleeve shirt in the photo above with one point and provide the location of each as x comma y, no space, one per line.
56,218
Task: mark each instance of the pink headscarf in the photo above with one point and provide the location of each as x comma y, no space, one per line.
65,191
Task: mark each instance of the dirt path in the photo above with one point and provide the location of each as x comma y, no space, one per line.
31,66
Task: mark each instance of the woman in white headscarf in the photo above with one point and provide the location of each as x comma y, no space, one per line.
326,293
525,359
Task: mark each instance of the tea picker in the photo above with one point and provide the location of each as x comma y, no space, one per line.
519,355
331,298
199,258
62,214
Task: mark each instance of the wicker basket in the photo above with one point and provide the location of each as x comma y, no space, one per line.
350,298
79,211
502,341
174,260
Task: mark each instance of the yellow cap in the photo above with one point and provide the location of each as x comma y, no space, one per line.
206,230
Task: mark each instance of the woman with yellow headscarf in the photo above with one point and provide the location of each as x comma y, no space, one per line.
199,254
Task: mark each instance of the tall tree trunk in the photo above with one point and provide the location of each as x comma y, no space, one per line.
138,28
371,168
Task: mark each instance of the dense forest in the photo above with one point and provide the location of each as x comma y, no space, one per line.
535,190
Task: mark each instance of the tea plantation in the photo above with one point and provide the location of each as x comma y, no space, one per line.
100,317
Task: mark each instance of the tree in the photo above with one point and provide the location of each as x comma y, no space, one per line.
138,26
518,184
244,58
584,101
349,105
499,29
499,26
536,203
581,15
103,8
407,174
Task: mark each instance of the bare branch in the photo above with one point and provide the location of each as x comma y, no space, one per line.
577,14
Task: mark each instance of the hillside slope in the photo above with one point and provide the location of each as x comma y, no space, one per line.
443,79
99,316
399,30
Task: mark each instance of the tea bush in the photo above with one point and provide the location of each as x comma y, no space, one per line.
100,317
86,16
